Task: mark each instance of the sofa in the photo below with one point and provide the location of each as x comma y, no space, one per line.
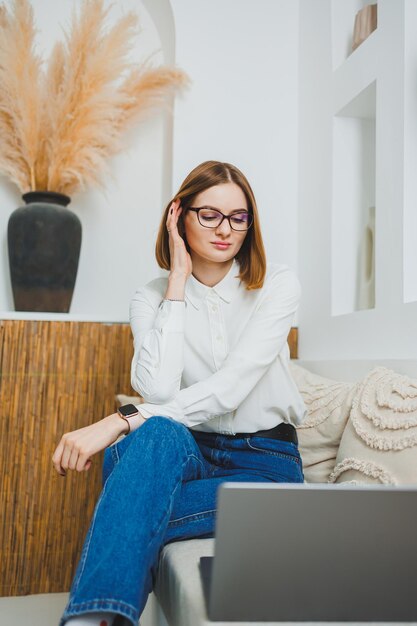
361,428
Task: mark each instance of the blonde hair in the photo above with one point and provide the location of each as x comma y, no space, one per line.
251,256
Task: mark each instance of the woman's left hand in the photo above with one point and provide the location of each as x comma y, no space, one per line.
76,448
180,260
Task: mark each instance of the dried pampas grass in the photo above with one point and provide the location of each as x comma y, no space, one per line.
20,101
59,126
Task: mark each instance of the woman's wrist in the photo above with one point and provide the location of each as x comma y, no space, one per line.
176,286
120,426
177,277
117,425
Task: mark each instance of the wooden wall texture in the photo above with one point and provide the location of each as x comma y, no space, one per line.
55,377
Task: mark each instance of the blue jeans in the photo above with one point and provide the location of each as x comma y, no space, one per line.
159,486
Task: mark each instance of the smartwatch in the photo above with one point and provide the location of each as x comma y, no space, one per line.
126,411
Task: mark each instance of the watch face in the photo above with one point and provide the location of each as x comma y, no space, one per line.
128,409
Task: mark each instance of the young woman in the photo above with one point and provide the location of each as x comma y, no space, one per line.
211,362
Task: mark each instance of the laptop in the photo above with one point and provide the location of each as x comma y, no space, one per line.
303,552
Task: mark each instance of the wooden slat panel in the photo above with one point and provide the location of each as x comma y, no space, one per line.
54,377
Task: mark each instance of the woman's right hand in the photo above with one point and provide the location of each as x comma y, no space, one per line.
77,447
181,264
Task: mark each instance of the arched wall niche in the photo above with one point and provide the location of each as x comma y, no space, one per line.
162,16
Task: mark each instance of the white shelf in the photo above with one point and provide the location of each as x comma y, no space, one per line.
356,74
59,317
362,106
343,22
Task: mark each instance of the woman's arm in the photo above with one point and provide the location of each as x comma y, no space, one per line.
159,334
261,342
158,331
158,340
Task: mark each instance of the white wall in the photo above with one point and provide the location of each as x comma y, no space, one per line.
389,330
243,59
242,107
410,152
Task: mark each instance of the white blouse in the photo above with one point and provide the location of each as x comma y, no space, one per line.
217,362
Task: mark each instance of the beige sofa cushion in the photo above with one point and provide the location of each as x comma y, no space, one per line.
328,404
379,444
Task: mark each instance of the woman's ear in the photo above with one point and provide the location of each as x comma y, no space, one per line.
181,226
181,231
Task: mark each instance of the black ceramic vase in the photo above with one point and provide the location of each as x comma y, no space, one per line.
44,242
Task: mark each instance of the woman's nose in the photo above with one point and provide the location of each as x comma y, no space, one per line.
224,227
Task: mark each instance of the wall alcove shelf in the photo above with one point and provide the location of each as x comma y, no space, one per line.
55,377
354,155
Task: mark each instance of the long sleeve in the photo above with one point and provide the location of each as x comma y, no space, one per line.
158,337
260,343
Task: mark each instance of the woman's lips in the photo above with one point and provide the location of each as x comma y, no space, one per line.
221,246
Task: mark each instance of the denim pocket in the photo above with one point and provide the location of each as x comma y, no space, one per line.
276,447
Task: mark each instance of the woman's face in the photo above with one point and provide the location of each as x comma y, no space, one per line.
205,242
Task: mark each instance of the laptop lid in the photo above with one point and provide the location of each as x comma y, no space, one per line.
298,552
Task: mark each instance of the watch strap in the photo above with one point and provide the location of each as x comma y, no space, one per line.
125,420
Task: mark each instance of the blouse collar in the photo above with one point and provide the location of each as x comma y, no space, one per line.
196,292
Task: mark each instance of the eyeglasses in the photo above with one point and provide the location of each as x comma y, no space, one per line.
212,218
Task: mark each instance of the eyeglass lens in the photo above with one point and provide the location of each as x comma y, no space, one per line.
212,218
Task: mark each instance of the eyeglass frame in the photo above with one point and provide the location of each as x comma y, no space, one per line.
227,217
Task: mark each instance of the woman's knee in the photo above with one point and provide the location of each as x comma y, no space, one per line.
155,430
